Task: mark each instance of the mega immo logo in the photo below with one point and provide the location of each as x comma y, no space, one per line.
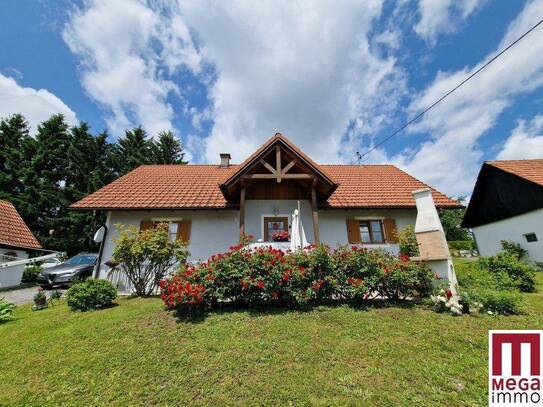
514,371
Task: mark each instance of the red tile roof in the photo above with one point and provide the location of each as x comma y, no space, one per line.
377,186
532,170
13,229
197,187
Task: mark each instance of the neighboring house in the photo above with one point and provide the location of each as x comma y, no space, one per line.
209,206
16,243
507,204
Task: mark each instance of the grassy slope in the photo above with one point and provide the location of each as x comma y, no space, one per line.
136,353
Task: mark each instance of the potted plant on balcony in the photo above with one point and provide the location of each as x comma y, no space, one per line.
280,236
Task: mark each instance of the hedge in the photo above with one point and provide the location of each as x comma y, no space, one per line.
270,276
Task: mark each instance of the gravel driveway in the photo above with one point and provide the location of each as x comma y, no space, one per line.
23,295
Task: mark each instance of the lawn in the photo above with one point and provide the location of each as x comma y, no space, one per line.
136,353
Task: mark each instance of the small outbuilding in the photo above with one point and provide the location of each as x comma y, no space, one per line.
16,243
507,204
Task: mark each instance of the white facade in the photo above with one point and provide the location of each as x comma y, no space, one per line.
214,231
11,276
516,228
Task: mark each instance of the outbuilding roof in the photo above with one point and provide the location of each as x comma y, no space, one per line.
505,189
13,230
531,170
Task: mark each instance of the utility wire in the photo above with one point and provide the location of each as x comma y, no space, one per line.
361,156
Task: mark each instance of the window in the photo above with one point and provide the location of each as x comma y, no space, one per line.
530,237
276,229
177,229
371,231
172,230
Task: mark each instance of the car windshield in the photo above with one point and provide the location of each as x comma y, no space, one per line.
81,259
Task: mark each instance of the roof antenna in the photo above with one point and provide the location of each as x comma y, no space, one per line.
358,158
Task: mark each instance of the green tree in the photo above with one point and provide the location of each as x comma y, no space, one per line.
14,139
451,219
46,182
133,150
90,167
167,149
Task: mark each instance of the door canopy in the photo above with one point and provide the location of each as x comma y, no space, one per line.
279,161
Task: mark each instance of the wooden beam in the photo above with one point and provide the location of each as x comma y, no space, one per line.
278,162
268,166
242,211
316,232
273,176
288,167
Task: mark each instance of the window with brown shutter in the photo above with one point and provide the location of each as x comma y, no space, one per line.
391,232
178,230
146,224
183,231
371,231
353,231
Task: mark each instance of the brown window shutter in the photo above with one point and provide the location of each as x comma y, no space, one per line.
353,231
391,234
145,225
183,231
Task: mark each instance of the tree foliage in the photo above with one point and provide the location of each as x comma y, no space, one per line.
42,175
451,219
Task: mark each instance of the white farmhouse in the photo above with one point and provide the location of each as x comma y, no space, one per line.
210,206
507,204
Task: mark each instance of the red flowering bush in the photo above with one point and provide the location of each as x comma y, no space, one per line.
265,275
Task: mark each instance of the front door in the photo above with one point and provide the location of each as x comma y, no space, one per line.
275,225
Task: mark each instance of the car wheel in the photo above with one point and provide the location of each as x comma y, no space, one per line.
45,286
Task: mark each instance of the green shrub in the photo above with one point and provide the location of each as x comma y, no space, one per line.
520,275
6,310
496,301
146,257
30,273
91,294
494,283
407,241
317,274
513,248
462,245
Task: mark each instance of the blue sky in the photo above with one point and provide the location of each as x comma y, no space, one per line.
334,77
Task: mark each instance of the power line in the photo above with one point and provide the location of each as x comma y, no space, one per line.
361,156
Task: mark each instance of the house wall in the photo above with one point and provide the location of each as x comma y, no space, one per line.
488,236
255,210
211,231
214,231
333,228
11,276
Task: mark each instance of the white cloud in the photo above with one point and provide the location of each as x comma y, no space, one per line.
128,51
525,141
443,16
451,158
303,68
35,105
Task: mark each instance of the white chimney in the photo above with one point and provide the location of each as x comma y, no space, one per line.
433,248
225,160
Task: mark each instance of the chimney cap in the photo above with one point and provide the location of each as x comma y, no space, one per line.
225,160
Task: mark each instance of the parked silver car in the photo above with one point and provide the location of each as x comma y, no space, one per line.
77,268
